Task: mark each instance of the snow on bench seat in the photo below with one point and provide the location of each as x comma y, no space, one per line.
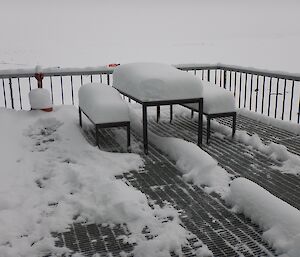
216,99
104,106
156,82
217,102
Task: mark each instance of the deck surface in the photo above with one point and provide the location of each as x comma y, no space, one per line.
205,215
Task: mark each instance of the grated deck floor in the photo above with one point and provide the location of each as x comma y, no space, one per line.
205,215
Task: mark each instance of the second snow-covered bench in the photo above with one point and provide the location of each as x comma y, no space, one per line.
104,107
218,102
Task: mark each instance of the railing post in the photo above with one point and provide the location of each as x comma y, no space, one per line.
39,77
208,75
11,94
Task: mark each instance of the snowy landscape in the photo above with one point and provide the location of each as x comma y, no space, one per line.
52,175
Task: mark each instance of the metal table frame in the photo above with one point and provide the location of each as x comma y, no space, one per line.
158,103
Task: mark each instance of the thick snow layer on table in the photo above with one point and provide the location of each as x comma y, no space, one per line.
39,98
156,81
215,99
285,125
279,220
49,174
102,103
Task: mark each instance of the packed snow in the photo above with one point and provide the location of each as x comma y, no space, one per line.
215,99
197,166
155,82
290,162
279,220
285,125
50,175
102,103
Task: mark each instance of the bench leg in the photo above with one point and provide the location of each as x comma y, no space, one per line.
128,137
97,136
200,122
171,113
80,117
233,124
208,129
157,113
145,131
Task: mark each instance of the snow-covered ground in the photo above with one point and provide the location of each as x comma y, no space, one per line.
50,174
80,33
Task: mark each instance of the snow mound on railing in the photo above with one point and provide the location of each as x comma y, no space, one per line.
279,220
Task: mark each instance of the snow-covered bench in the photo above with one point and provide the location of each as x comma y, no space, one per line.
104,107
218,102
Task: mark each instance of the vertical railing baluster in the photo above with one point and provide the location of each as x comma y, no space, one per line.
208,75
299,112
72,90
4,93
263,95
251,91
240,92
270,92
245,98
292,98
81,80
108,79
11,94
234,93
100,78
230,80
256,91
276,101
62,90
20,95
220,77
51,86
202,74
283,101
216,76
29,81
224,79
91,78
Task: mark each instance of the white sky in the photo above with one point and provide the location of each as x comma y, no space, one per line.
262,34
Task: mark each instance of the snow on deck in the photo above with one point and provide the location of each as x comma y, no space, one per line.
206,215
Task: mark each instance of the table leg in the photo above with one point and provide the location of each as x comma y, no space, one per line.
145,131
157,113
200,121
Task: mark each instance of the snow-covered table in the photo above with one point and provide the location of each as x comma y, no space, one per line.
104,107
155,84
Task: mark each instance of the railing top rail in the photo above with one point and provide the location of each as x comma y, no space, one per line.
56,71
248,70
25,73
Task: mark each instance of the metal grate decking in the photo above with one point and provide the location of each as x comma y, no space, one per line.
205,215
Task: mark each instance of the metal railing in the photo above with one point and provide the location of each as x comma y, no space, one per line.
274,94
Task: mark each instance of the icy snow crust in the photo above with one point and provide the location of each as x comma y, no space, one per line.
156,81
102,103
215,99
279,220
50,174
